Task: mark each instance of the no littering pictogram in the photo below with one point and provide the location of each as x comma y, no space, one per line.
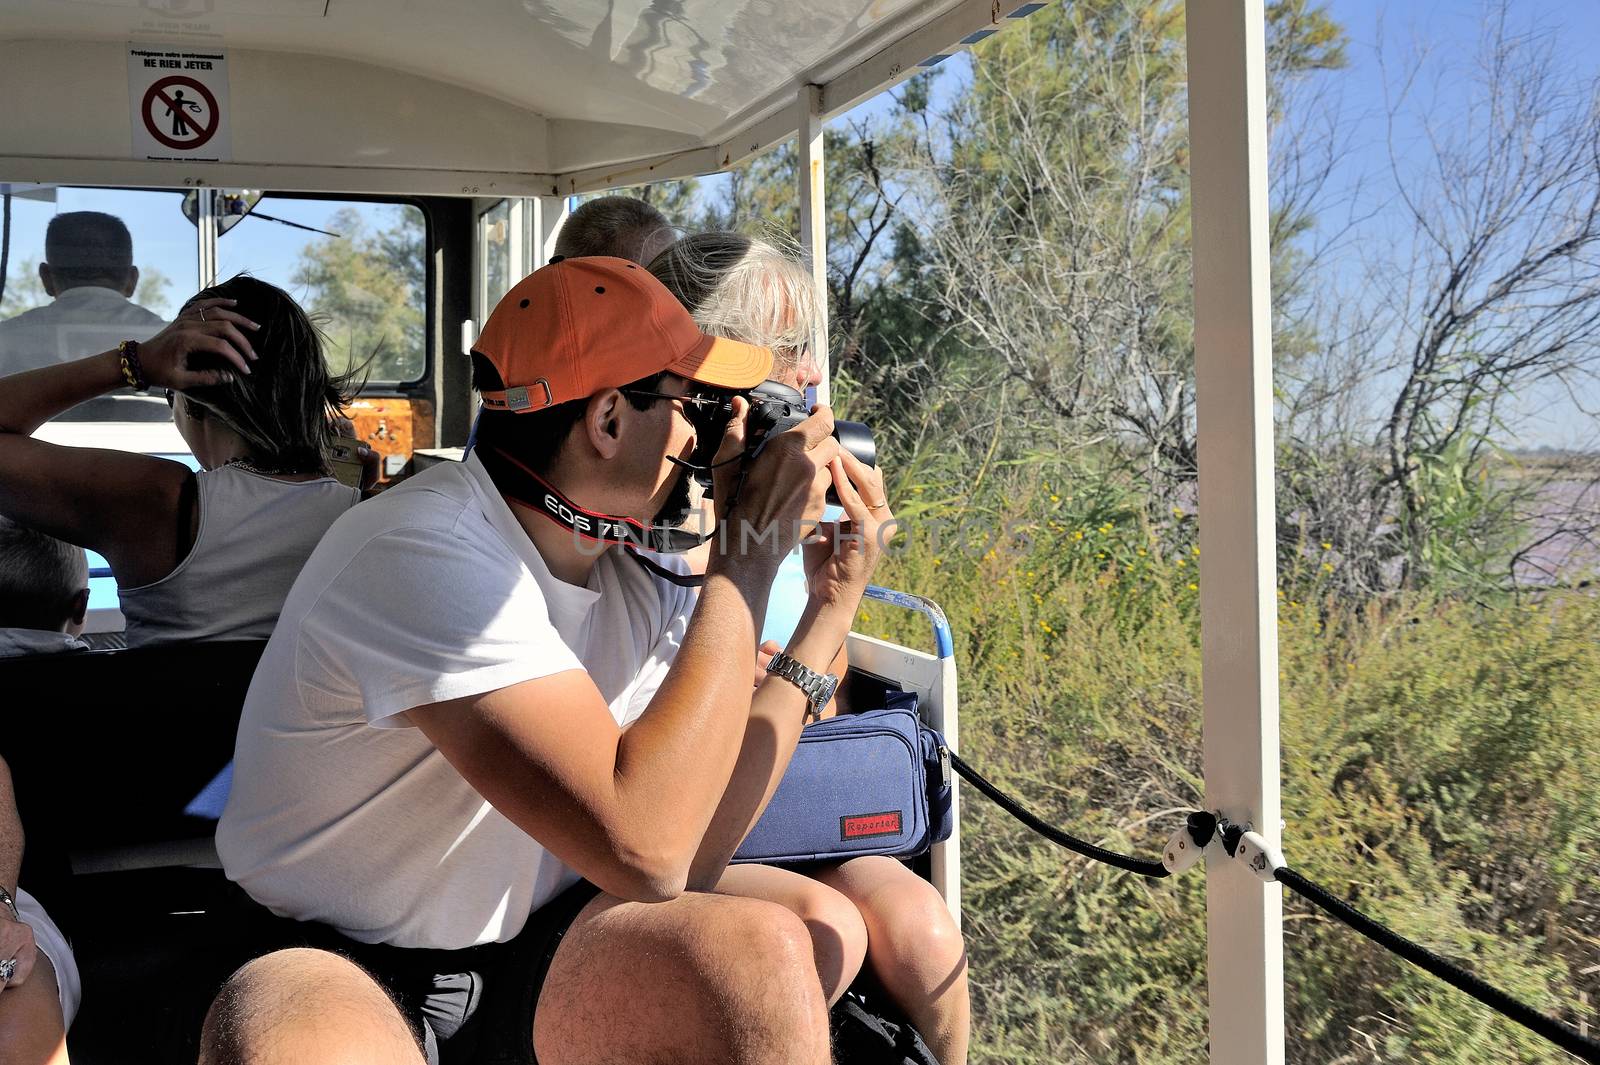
180,112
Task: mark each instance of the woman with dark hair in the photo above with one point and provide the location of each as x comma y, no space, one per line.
197,556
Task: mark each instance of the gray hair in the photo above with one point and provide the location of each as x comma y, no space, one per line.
622,226
40,578
741,288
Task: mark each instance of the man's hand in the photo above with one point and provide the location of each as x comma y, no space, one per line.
840,557
785,487
16,944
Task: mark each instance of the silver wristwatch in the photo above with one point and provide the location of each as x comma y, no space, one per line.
9,903
817,687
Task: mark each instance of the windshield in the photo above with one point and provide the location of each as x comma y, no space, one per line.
85,270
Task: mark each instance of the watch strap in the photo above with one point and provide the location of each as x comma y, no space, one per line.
818,688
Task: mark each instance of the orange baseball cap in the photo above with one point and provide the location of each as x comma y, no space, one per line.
579,326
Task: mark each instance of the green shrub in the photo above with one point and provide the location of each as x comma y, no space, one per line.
1437,769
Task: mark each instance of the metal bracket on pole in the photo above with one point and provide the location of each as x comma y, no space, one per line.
811,174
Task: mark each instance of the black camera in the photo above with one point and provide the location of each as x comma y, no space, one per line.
774,408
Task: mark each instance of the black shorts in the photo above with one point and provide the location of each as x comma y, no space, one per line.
472,1006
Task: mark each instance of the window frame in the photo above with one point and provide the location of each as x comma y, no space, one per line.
424,377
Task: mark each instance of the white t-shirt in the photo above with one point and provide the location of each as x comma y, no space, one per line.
81,321
341,811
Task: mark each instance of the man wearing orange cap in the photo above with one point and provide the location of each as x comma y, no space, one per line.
499,764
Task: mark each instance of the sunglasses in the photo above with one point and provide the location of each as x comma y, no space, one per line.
703,406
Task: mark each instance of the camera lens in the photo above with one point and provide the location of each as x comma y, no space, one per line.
856,438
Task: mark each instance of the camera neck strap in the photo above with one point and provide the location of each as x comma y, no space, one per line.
522,486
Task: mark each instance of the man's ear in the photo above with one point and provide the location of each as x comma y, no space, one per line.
80,610
47,279
130,286
602,422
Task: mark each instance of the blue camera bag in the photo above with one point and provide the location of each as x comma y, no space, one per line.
869,783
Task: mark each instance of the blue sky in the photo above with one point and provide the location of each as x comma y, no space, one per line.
1449,32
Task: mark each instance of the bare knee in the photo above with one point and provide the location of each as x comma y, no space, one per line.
916,947
305,1005
838,935
763,983
755,942
704,977
919,923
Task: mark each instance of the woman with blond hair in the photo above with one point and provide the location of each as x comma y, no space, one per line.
870,909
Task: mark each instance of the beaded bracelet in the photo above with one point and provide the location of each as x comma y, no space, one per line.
132,372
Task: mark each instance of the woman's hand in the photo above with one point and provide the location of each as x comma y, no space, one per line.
764,655
204,346
840,557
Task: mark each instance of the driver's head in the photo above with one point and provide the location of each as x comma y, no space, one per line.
88,248
560,366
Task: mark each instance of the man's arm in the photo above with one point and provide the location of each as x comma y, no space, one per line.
777,714
777,711
626,808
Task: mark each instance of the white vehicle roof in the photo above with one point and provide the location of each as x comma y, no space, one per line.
523,97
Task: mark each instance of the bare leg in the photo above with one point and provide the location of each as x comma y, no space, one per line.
914,949
838,934
703,978
31,1028
305,1007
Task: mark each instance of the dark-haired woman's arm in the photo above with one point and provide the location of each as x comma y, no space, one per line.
123,505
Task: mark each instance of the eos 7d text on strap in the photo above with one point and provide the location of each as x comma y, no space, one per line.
521,485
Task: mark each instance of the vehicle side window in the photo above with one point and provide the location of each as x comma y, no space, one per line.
494,234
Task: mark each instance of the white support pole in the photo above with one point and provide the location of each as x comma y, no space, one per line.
548,215
814,219
517,227
205,222
1238,601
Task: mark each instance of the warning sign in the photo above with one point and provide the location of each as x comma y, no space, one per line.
180,103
